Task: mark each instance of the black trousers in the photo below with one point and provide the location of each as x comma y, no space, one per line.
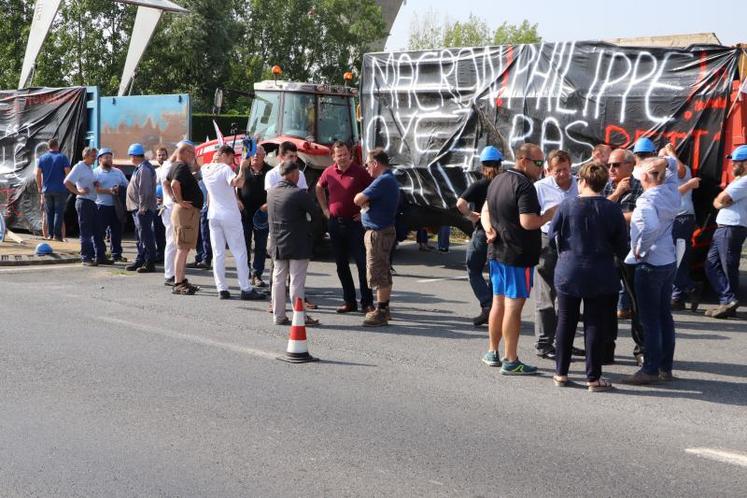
597,331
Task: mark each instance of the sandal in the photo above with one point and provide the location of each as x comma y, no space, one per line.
310,321
184,288
599,385
309,305
560,380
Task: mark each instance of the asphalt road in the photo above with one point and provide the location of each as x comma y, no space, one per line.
111,386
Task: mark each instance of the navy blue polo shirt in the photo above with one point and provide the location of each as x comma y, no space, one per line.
383,196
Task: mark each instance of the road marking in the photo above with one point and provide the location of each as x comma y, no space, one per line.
731,457
431,280
228,346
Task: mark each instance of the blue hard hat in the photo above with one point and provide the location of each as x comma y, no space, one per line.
43,249
159,191
739,154
490,153
103,151
260,220
644,145
136,150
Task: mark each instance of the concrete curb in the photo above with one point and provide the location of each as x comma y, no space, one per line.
31,259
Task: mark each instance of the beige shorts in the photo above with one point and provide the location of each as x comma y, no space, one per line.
186,223
378,248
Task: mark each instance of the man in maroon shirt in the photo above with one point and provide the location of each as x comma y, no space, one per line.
335,191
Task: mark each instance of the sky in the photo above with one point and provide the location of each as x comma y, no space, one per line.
579,20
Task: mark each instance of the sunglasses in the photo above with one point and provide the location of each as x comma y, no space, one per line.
537,162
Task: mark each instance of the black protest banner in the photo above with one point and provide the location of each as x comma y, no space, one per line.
28,119
433,111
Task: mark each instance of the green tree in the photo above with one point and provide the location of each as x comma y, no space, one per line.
15,22
427,32
513,34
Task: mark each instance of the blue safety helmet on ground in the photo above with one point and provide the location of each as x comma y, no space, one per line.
489,154
260,220
103,151
739,154
644,145
43,249
136,150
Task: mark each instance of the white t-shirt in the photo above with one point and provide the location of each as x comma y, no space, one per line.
223,205
273,177
161,174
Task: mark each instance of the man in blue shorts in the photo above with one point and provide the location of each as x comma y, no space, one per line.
511,219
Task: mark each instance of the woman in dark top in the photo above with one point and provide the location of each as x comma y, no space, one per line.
588,231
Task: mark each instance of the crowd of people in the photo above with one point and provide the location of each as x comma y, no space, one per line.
612,237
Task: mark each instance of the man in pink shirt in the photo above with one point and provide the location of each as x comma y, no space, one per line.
335,191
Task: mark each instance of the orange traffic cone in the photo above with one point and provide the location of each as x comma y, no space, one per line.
298,351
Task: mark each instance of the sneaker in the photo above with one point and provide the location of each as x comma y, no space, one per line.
224,295
119,259
88,262
192,264
517,368
202,265
482,318
547,353
258,282
491,359
578,352
105,262
376,318
640,378
252,295
442,249
168,282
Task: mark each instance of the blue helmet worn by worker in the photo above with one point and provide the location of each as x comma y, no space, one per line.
739,154
644,145
136,150
490,154
43,249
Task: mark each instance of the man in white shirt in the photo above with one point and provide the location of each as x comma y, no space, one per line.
286,152
224,218
169,253
557,186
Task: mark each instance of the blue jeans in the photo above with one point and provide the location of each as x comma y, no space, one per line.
204,249
108,220
653,287
54,205
683,228
146,242
91,237
444,233
260,243
477,256
347,241
722,264
421,236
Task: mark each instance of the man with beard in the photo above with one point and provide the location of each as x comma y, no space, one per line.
111,181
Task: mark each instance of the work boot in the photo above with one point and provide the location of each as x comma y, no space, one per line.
376,318
482,318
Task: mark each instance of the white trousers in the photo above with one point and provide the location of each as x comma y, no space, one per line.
169,254
231,232
297,269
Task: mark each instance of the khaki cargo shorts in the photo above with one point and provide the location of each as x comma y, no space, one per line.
378,248
186,222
